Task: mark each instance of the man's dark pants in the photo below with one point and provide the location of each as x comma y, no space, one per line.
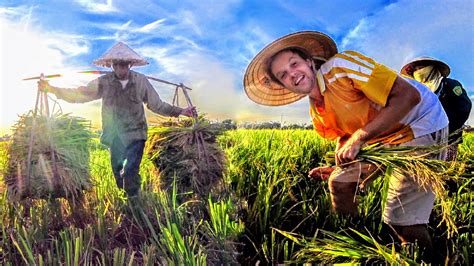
125,162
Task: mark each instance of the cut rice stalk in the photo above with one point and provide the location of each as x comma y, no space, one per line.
418,163
59,164
188,150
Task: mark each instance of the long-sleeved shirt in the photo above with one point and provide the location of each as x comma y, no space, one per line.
123,114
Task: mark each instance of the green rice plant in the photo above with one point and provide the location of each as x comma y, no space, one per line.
149,255
416,162
176,239
329,247
3,157
466,157
74,246
464,249
115,257
181,248
167,226
222,226
267,169
465,147
268,173
103,177
23,244
371,204
221,232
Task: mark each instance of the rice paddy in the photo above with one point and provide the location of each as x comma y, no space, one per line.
270,213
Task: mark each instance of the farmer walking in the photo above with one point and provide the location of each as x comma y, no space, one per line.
356,101
456,103
124,126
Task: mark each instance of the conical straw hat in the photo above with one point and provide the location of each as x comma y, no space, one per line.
122,52
258,85
440,65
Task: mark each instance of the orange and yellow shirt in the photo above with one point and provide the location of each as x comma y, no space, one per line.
357,88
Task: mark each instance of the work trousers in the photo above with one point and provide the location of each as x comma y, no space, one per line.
125,162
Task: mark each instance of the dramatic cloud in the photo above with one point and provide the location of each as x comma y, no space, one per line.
207,44
408,29
402,30
27,53
215,90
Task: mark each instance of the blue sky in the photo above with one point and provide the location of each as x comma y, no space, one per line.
208,44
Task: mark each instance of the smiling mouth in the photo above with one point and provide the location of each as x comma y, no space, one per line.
298,80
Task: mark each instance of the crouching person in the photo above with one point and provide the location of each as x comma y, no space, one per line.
356,101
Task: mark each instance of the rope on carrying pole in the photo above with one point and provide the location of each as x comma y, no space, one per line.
32,137
202,151
42,104
175,97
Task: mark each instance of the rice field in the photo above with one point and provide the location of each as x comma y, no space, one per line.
270,213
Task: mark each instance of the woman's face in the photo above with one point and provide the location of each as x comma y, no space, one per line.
293,72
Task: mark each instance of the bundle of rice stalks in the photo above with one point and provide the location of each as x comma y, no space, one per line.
187,151
350,246
418,163
59,157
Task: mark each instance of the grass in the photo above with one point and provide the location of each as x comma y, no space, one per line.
275,214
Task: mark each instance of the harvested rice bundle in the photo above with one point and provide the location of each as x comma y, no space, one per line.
187,150
43,176
417,162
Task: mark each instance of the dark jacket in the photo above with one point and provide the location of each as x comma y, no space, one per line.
456,104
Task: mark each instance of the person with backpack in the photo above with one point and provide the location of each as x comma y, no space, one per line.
453,97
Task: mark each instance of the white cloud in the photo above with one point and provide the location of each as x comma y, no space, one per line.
251,41
407,29
189,20
151,26
26,52
75,45
215,88
98,6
